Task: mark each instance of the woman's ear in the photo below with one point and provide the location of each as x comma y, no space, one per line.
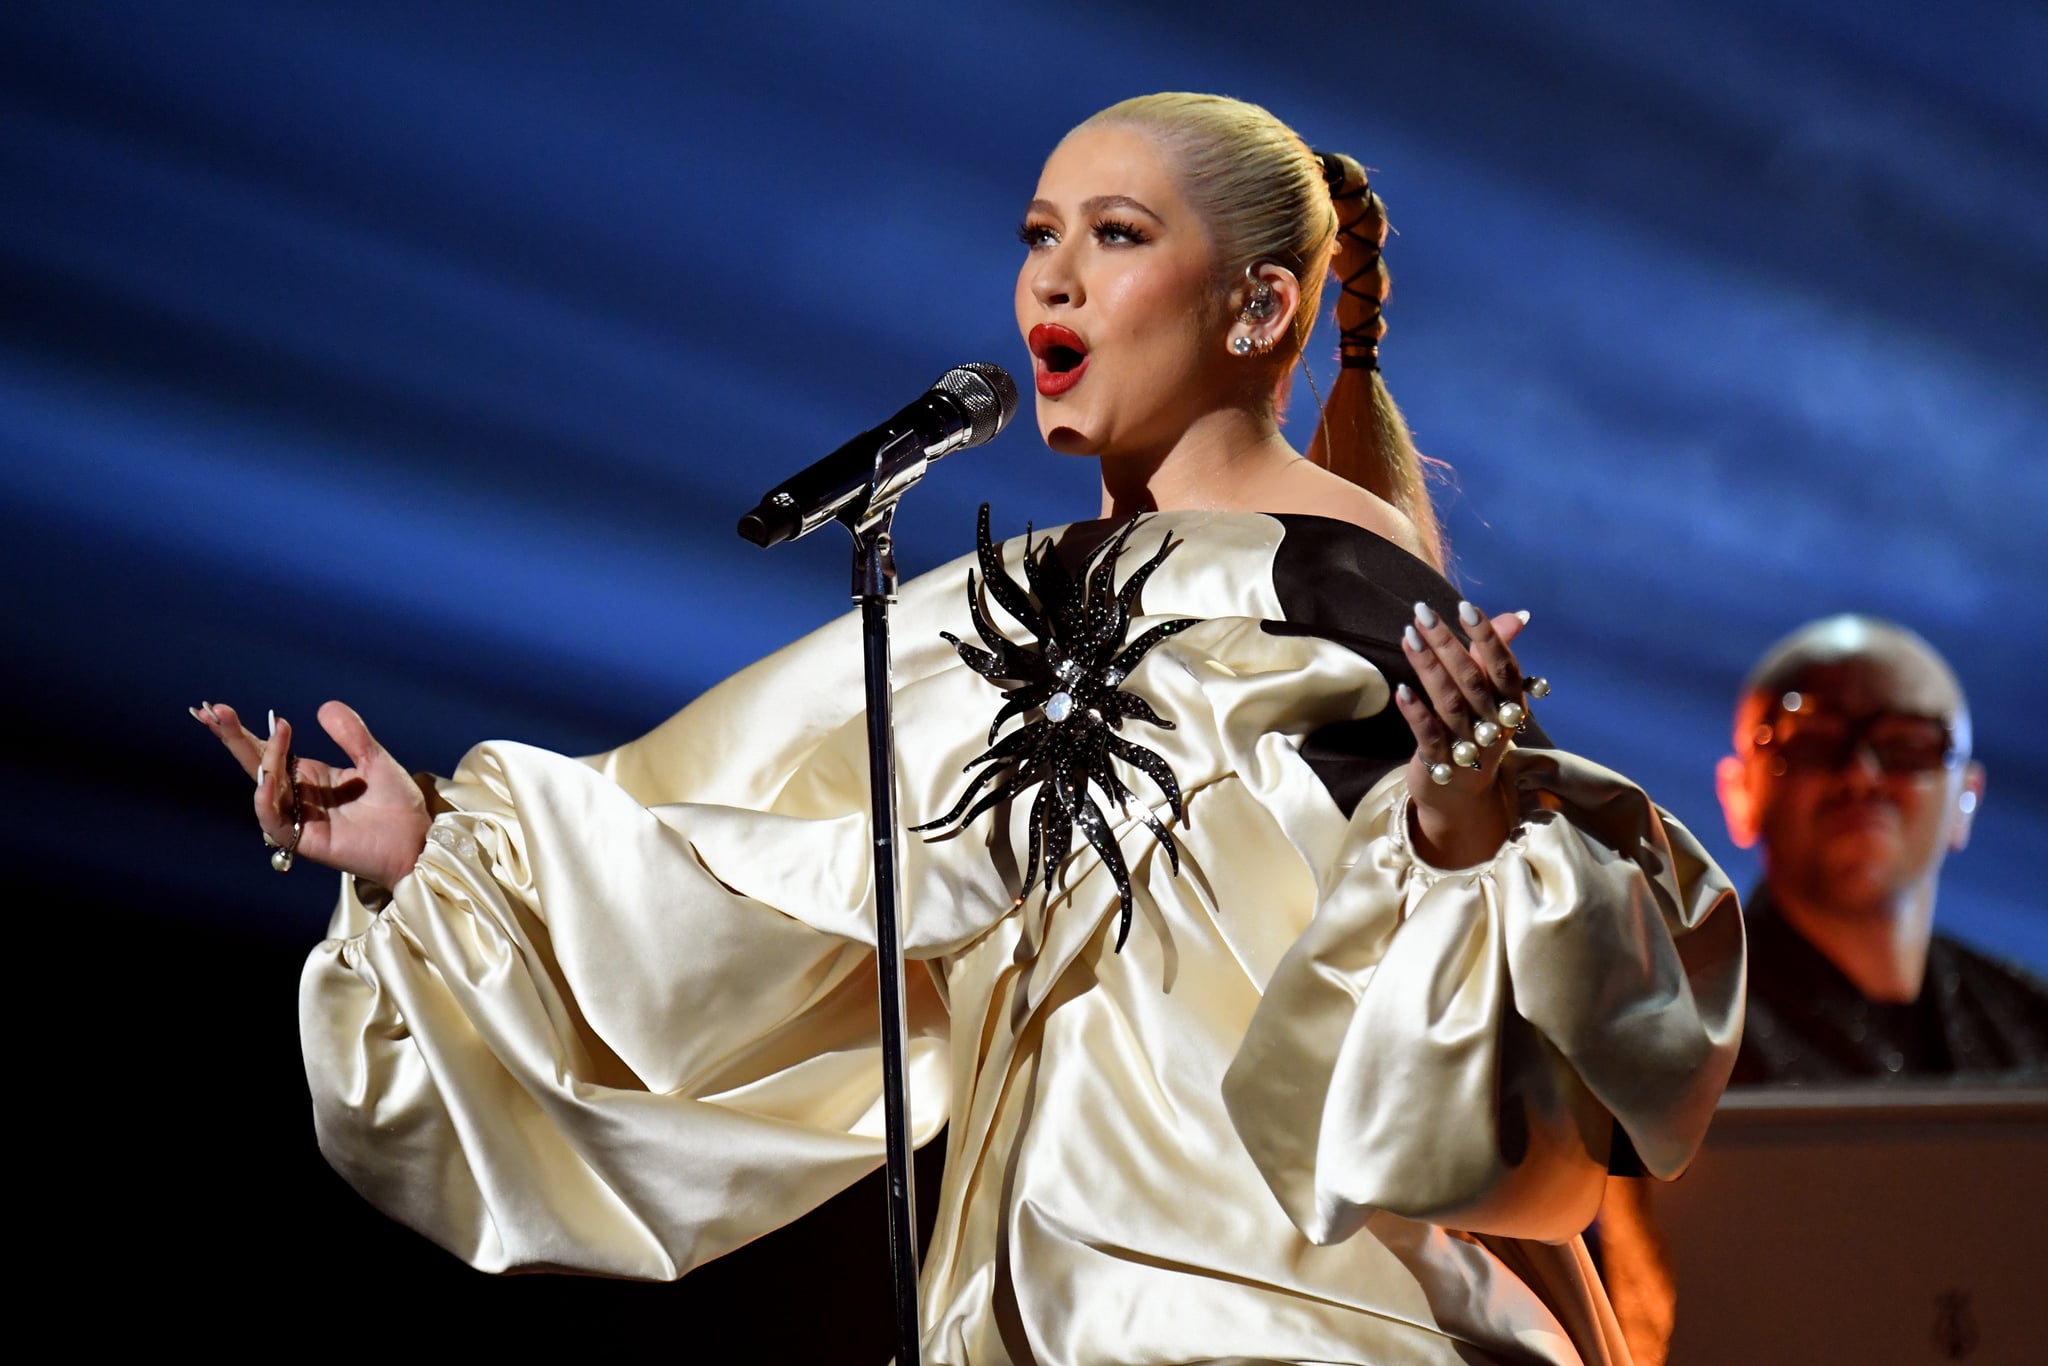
1265,303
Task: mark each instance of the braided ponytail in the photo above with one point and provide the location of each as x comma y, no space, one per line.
1363,437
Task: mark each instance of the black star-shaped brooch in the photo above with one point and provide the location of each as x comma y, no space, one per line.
1069,683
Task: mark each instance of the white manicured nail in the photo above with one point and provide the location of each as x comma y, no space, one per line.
273,720
1523,616
1405,693
1414,641
1467,613
261,774
195,714
1424,615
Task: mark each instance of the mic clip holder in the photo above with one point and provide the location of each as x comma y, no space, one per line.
899,466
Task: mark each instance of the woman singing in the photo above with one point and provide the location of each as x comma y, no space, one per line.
1283,995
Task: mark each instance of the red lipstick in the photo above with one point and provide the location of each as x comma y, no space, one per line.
1059,358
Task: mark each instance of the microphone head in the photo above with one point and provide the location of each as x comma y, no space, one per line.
985,393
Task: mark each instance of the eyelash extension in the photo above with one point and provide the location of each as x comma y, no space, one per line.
1033,234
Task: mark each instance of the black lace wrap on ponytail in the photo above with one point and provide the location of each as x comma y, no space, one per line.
1362,274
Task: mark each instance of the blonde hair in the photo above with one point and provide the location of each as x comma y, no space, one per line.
1266,197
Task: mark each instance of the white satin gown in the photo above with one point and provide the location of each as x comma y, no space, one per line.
1328,1104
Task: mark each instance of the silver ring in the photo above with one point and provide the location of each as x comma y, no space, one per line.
1465,754
1486,733
1512,715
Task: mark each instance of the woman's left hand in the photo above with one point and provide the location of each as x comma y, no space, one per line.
1466,820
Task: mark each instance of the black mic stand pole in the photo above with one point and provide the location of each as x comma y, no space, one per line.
874,588
898,467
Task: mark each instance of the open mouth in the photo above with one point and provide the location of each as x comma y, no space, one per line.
1061,358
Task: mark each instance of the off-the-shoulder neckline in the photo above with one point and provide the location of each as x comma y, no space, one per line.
1095,525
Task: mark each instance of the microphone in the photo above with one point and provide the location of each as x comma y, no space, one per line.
964,407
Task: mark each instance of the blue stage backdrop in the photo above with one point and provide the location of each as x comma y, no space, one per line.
423,356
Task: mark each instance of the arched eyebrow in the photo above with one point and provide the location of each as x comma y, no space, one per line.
1091,207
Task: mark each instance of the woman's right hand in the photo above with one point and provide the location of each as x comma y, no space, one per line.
369,819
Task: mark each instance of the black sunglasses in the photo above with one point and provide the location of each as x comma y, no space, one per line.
1811,740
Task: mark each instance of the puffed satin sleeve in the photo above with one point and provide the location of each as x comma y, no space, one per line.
621,1017
1460,1046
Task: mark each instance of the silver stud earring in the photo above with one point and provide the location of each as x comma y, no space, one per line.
1242,346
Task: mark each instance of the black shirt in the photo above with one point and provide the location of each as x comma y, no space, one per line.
1806,1022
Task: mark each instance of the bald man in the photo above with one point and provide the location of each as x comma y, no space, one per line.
1852,768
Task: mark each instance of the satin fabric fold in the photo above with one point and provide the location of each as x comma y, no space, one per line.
1461,1051
1323,1107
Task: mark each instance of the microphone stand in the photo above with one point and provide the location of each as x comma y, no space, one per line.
899,463
875,582
874,587
982,398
